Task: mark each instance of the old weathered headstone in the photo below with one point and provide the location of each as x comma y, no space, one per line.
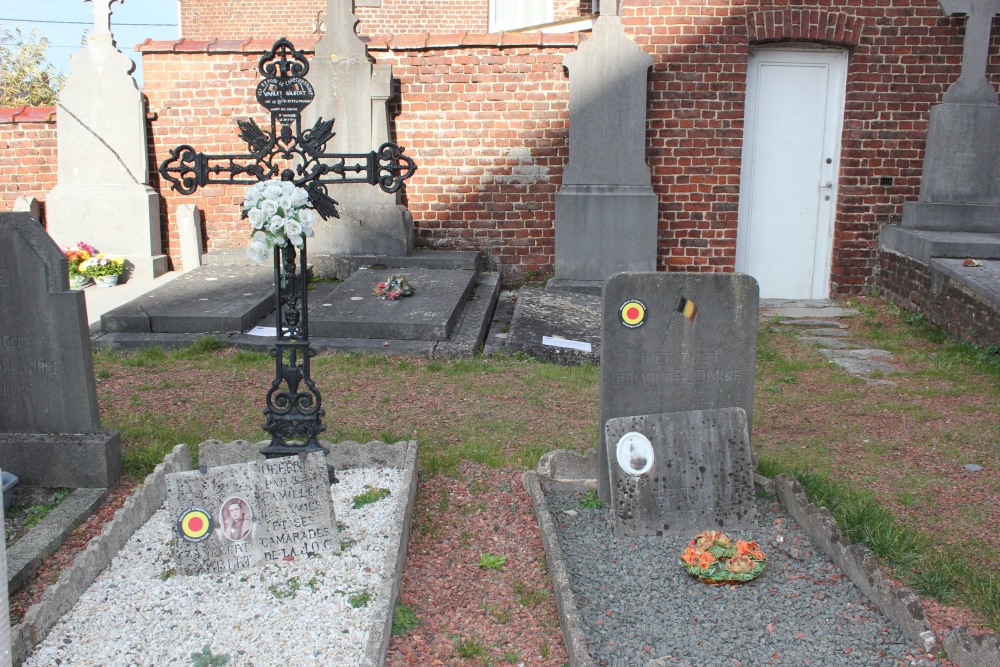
355,92
673,342
103,195
243,515
606,208
50,430
680,471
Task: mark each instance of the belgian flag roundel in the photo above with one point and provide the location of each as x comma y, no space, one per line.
195,524
632,313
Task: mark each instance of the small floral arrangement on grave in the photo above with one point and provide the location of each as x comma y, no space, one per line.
102,265
278,216
713,558
394,287
77,255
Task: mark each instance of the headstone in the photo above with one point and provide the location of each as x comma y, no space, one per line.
606,210
50,430
189,231
103,195
355,92
28,205
243,515
681,471
674,342
960,182
5,658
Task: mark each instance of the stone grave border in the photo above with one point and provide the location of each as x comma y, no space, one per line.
150,495
564,470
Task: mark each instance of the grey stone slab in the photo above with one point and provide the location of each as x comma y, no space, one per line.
671,362
206,300
26,555
591,287
983,280
565,469
88,460
473,325
827,332
568,316
922,245
829,343
351,309
819,324
863,363
132,342
46,370
680,471
421,258
243,515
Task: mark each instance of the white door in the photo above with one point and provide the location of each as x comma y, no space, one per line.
788,179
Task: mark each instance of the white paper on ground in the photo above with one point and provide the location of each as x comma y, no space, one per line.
555,341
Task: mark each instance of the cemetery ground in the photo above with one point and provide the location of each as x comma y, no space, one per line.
910,467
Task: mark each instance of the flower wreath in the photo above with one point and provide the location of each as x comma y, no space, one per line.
394,287
713,558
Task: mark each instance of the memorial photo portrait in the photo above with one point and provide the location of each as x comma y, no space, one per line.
236,519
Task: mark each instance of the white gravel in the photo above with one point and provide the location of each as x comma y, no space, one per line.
286,613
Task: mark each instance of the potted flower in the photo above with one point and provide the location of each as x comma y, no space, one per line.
713,558
278,216
103,269
75,256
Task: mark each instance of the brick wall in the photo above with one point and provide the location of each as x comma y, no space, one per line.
27,154
485,117
210,19
953,307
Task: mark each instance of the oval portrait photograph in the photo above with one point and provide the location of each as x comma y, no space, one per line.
635,453
236,519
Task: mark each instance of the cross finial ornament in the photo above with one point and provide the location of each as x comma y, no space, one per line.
972,86
102,18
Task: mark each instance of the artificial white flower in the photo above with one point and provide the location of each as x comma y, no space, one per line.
292,227
257,251
269,207
275,210
256,218
285,203
305,216
276,225
272,191
299,197
295,240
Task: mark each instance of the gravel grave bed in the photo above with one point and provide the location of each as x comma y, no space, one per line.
293,612
637,603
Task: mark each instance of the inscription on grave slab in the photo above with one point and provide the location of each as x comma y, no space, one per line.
682,471
243,515
673,342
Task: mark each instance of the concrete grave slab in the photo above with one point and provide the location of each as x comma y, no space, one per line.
674,342
351,309
544,322
205,300
681,471
237,516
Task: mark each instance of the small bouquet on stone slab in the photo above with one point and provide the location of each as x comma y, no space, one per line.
75,256
102,265
394,287
278,216
713,558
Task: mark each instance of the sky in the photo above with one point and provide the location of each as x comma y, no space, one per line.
64,22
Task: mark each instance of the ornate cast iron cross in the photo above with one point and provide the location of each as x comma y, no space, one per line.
293,403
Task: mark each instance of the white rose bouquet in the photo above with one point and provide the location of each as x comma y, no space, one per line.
278,216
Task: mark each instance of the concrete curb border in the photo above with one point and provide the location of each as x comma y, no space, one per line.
377,648
896,602
569,616
60,597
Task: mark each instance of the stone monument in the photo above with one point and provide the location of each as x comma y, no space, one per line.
682,471
103,195
50,429
674,342
960,182
242,515
355,92
606,210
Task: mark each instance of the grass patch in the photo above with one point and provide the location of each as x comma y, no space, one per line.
404,619
372,495
470,647
590,501
492,561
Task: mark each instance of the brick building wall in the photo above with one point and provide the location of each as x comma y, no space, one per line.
27,154
485,117
211,19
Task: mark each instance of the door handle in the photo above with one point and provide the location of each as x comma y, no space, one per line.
828,184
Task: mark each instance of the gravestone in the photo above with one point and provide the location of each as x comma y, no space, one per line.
243,515
606,210
353,90
5,658
681,471
103,195
960,181
50,429
674,342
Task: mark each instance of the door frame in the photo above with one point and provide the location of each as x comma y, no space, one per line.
832,139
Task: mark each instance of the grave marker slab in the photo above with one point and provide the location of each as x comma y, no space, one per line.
680,471
673,342
243,515
50,429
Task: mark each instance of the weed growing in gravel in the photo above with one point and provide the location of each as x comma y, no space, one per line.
499,614
372,495
528,596
360,599
469,647
288,591
492,561
590,501
511,656
205,658
404,619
